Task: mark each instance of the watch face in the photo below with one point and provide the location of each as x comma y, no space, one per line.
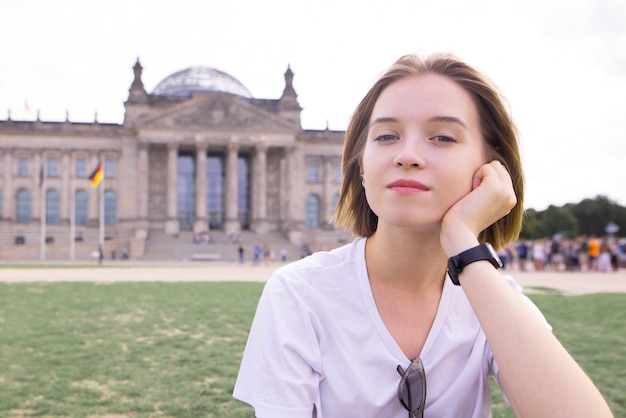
453,269
494,255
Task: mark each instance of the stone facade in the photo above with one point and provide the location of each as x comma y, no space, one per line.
195,158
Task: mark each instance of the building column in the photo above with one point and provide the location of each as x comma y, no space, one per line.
142,190
201,223
259,202
329,189
282,192
66,191
39,197
232,224
8,198
143,175
172,225
294,198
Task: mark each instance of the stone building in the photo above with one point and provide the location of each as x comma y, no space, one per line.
197,154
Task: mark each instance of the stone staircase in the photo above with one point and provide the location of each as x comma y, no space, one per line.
163,247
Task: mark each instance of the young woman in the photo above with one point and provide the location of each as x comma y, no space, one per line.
414,315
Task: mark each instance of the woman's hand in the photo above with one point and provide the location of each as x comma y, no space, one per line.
491,198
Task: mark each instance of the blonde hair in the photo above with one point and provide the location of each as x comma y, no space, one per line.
499,132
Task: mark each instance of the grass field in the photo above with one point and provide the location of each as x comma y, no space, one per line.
173,349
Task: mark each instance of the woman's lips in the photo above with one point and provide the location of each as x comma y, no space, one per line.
407,186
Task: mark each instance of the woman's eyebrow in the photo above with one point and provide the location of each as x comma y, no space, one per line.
452,119
441,118
384,119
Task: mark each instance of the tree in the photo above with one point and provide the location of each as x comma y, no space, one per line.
529,225
589,217
554,220
593,215
559,220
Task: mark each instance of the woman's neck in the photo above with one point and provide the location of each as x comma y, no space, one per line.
411,261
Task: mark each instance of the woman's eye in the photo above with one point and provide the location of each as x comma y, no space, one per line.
386,138
444,139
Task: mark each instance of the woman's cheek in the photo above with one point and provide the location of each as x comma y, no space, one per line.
460,192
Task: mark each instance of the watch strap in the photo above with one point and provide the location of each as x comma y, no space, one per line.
457,263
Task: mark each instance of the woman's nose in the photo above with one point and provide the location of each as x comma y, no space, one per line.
411,154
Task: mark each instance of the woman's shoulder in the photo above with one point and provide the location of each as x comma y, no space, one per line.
322,266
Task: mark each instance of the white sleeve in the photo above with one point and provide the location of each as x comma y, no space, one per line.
279,373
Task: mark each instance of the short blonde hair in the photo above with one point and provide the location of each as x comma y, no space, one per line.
499,132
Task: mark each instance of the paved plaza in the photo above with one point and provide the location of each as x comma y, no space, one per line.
566,282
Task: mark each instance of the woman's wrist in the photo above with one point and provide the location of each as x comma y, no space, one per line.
455,240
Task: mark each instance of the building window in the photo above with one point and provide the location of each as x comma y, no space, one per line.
22,167
81,169
338,174
53,168
312,211
110,207
243,192
333,202
313,173
81,207
186,190
22,206
109,169
52,207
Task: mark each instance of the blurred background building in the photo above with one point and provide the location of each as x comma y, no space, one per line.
196,160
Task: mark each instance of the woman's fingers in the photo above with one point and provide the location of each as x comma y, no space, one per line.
492,197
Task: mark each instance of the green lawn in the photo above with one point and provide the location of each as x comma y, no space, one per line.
173,349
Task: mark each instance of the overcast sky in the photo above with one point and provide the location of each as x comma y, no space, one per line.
560,63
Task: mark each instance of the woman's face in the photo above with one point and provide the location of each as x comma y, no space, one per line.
424,145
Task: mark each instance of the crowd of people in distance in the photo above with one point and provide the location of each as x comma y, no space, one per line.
204,237
265,253
560,253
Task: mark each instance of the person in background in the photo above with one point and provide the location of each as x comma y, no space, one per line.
267,253
593,252
539,254
613,249
583,253
256,256
604,259
522,254
413,315
241,250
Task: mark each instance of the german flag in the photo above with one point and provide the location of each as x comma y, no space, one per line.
96,177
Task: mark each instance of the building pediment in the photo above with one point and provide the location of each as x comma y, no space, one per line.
218,111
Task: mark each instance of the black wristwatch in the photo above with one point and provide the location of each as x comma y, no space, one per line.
457,263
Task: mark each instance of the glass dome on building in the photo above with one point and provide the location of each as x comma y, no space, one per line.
183,83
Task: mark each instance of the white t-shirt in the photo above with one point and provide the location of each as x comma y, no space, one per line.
318,339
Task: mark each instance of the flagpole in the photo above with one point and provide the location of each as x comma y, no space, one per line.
42,220
101,235
95,179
